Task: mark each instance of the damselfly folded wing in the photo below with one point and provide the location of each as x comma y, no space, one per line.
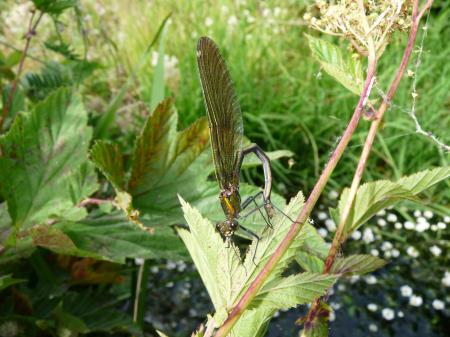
224,113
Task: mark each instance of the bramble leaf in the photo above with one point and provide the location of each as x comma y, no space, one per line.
357,265
226,276
375,196
44,171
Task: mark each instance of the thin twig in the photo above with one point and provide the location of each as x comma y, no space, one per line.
29,34
10,46
297,225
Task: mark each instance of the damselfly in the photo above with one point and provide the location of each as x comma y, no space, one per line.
226,133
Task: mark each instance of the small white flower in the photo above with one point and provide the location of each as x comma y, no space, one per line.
447,219
438,304
330,225
434,228
332,316
409,225
341,287
413,252
422,226
232,20
322,215
386,245
406,291
154,270
441,225
446,279
400,314
333,194
266,12
335,306
435,250
381,222
170,265
395,252
391,217
209,22
421,219
373,328
417,213
374,252
387,255
368,236
139,261
371,279
428,214
276,314
354,278
356,235
381,213
322,232
415,301
277,11
388,314
372,307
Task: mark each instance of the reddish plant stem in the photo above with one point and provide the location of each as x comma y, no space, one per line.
340,237
93,201
305,212
29,34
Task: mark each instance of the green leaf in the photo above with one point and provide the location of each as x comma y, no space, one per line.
357,265
109,160
226,276
44,172
158,85
314,251
375,196
115,238
7,281
344,69
293,290
55,7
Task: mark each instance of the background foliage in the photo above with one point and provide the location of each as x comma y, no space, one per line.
94,74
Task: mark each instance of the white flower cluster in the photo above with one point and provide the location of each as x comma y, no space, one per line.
377,20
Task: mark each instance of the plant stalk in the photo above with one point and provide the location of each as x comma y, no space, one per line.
340,237
297,225
30,33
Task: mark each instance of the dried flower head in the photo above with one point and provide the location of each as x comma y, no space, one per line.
376,21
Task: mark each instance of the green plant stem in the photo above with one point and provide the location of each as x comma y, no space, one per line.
30,33
295,228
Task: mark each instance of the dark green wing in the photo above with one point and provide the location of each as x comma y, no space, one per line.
224,113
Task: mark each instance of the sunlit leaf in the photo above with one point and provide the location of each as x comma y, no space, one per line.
341,66
227,275
375,196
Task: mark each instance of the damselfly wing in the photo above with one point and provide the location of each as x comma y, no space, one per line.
226,133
